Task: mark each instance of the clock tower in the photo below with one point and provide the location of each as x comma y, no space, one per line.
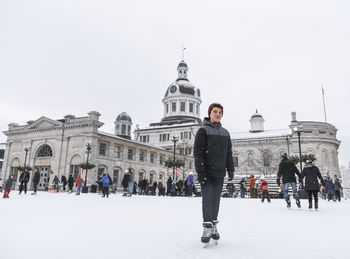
182,99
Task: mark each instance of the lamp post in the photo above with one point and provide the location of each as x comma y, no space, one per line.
88,151
185,143
174,139
298,130
25,159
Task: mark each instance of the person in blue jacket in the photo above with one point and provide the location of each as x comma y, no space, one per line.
330,189
105,185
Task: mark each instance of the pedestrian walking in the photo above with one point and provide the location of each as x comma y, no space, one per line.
265,189
231,189
70,183
36,180
287,170
337,188
213,157
190,184
8,186
125,183
24,179
243,187
64,182
79,183
105,185
168,185
330,189
252,190
311,173
56,183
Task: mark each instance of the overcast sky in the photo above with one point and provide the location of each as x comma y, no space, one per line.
72,57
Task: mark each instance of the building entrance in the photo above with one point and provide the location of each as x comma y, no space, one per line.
44,177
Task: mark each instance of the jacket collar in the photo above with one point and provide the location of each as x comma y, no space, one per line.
215,125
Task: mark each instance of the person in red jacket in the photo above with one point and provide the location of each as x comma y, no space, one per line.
265,189
79,182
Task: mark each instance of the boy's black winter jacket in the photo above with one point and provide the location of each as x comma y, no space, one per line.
287,170
213,151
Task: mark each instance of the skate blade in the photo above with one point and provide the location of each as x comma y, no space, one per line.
215,242
205,245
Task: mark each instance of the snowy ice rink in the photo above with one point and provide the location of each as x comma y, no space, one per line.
88,226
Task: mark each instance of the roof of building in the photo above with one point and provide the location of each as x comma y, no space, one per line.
124,117
129,140
264,134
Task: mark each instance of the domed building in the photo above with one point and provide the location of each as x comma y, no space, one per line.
123,125
181,100
181,119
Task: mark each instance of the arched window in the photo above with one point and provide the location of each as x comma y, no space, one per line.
142,174
123,129
152,176
129,130
75,168
45,151
14,170
101,170
115,177
267,158
250,159
325,158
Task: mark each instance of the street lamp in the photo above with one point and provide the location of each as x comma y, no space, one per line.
88,151
25,159
185,143
174,139
298,129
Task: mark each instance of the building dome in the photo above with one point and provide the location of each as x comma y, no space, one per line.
123,125
123,117
256,122
182,99
182,64
256,115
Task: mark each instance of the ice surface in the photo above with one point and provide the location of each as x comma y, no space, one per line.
87,226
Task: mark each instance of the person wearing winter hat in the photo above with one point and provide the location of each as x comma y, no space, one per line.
287,170
311,173
213,157
265,189
8,186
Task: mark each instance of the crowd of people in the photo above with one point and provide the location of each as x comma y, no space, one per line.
171,187
256,187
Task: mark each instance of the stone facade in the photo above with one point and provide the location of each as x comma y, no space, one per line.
260,152
256,150
58,147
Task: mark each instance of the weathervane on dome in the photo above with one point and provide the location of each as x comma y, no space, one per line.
183,52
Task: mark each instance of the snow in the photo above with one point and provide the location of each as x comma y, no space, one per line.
51,225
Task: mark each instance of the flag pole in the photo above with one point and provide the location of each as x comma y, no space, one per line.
324,106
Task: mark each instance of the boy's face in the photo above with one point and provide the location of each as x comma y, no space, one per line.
215,115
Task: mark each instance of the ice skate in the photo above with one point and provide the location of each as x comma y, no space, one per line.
207,233
288,204
316,205
298,204
310,204
215,234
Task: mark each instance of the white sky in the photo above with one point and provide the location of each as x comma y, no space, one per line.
71,57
